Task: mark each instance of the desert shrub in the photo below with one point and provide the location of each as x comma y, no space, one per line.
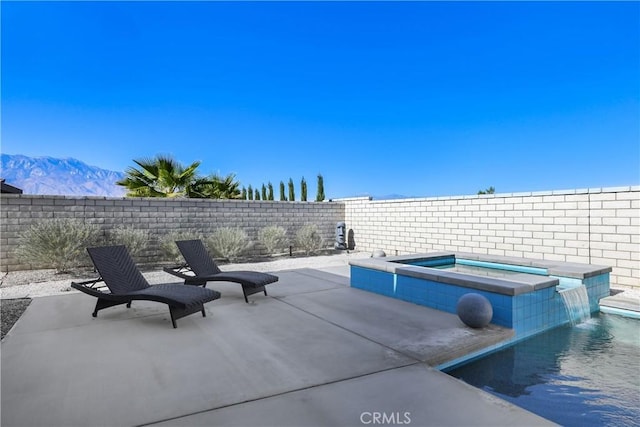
229,243
308,238
273,238
134,239
168,247
58,243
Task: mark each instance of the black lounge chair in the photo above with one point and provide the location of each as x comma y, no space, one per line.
124,283
200,268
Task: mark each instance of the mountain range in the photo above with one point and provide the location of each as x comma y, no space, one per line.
52,176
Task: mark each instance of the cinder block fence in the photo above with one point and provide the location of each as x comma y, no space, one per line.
596,226
161,217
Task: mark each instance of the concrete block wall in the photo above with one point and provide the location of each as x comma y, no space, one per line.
593,226
161,216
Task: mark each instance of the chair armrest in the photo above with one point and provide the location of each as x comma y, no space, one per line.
89,287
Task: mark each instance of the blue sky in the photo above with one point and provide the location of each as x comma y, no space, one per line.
411,98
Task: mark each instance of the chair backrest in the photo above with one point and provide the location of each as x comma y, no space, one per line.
198,258
117,269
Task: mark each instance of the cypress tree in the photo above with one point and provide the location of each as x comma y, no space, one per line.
250,193
243,194
264,192
270,190
303,190
292,194
320,196
283,198
257,194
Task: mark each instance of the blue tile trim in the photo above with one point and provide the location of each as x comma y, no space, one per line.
528,313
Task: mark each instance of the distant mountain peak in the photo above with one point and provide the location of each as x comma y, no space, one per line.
55,176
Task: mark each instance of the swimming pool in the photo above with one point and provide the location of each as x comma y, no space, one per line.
586,375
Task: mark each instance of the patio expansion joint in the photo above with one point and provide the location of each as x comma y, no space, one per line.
282,298
351,331
326,279
284,393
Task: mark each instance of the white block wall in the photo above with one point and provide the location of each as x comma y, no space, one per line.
593,226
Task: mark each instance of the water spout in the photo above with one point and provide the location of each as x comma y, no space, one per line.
576,303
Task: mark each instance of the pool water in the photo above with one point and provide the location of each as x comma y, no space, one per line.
475,267
585,375
476,270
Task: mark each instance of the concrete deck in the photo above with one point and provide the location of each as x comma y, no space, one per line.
315,352
627,305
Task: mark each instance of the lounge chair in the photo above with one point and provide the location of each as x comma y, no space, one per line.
124,283
200,268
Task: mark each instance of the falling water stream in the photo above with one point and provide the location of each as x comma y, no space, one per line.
576,302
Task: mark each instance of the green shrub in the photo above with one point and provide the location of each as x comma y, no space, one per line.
58,243
309,239
273,238
229,243
134,239
168,247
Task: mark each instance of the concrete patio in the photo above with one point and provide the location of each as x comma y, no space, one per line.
315,352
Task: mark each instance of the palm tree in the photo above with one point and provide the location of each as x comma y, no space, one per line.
215,187
161,176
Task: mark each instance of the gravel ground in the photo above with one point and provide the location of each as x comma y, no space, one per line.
11,310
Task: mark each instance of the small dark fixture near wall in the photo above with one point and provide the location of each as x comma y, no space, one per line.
351,240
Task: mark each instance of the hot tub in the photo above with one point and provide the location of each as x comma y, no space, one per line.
523,292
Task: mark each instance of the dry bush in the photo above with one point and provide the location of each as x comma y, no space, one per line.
58,243
229,243
273,238
134,239
309,239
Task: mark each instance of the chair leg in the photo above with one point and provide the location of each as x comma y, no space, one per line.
250,290
179,313
103,303
173,321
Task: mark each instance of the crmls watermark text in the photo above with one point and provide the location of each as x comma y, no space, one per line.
385,418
